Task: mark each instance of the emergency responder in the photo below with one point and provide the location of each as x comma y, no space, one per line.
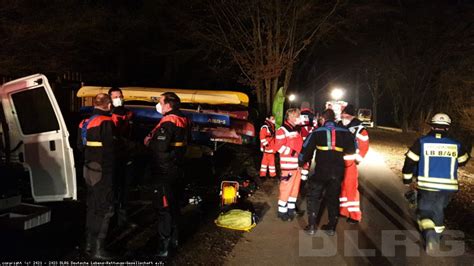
309,121
436,158
168,144
122,118
96,141
332,143
349,199
288,143
267,143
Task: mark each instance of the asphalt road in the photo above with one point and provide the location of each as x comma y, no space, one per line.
387,234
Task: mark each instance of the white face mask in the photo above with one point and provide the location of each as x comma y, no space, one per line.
298,121
345,121
117,102
159,108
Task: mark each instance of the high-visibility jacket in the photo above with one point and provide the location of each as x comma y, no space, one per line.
437,158
267,143
361,137
349,197
267,137
308,122
288,143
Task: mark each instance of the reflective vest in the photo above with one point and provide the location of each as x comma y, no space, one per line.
437,163
361,137
308,122
267,139
288,143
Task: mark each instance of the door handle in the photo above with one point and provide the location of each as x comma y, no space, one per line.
52,145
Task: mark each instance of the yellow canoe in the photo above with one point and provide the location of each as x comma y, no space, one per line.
186,96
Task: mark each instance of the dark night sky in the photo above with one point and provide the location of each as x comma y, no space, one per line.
154,43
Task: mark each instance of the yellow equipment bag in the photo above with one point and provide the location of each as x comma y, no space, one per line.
236,219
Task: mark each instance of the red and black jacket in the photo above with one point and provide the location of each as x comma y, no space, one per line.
100,139
122,118
333,144
168,144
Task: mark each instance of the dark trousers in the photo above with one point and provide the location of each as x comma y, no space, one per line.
331,187
431,205
122,182
166,202
99,199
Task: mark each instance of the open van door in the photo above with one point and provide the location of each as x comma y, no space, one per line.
39,137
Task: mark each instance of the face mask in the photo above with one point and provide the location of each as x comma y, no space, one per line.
298,120
345,121
117,102
159,108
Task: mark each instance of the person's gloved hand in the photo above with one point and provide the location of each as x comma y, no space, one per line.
304,174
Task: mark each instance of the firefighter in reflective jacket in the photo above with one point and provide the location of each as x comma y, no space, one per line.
122,118
332,144
349,199
436,158
168,144
288,143
308,120
267,143
96,140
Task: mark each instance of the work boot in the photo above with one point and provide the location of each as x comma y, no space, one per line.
352,221
330,227
291,214
99,252
310,229
283,216
163,246
431,242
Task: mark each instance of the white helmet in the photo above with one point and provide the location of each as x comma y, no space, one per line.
441,119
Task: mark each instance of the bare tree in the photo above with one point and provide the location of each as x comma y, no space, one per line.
265,38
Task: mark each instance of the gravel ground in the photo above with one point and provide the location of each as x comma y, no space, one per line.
459,214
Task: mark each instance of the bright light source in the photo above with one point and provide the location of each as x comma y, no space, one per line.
292,97
337,94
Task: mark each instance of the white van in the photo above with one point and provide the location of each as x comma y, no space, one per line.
33,135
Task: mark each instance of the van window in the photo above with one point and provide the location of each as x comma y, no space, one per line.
34,110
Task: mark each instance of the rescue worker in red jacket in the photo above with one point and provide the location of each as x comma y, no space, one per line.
288,143
349,199
308,120
267,143
308,124
96,139
168,144
122,118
